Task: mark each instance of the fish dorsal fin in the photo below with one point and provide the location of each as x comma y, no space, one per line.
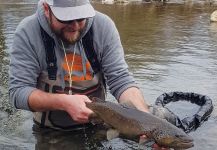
128,106
96,99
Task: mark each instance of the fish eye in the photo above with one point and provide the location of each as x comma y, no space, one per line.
177,136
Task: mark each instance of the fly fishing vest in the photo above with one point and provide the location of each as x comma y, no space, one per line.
50,82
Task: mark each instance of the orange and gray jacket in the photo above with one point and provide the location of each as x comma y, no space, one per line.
28,66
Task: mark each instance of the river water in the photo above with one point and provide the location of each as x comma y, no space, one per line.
170,47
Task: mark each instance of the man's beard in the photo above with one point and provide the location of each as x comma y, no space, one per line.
64,35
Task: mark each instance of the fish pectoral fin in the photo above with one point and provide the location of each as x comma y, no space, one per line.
143,140
112,133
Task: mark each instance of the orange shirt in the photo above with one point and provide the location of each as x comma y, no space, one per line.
77,67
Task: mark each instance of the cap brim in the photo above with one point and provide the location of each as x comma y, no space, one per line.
72,13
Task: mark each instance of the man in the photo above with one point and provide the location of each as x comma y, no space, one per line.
64,54
50,72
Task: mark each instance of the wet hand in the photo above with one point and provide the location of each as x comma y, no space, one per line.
144,138
156,147
76,107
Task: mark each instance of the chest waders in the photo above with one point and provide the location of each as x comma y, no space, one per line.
94,88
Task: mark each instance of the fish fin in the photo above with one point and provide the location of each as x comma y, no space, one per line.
112,133
147,143
127,105
144,140
96,99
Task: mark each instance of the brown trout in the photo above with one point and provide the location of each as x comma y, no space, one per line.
132,123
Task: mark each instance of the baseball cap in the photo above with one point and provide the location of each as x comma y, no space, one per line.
71,9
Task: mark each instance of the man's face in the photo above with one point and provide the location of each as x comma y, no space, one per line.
69,31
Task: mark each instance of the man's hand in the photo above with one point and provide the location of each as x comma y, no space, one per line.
73,104
133,96
76,107
154,146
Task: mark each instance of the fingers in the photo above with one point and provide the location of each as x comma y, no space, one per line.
77,109
144,138
82,120
156,147
87,111
84,111
81,117
84,115
86,99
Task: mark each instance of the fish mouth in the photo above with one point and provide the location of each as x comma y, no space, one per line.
177,142
183,143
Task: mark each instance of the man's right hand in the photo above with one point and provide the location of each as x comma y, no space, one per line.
76,107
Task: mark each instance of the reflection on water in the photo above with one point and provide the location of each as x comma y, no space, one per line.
168,48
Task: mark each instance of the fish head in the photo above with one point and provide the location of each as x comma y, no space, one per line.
179,140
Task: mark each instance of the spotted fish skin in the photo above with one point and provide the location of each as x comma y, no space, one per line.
132,123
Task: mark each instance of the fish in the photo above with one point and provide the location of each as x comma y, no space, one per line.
133,123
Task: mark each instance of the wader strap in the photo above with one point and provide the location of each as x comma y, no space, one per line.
87,41
90,52
43,117
50,55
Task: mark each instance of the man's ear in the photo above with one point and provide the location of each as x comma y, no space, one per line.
46,10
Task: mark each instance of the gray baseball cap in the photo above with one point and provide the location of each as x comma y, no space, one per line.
71,9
